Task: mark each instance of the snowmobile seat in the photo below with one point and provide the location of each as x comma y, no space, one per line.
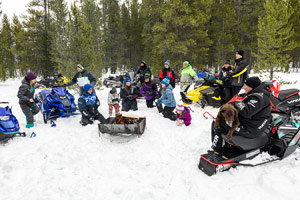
284,93
247,144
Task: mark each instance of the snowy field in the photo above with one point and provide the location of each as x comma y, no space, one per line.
71,162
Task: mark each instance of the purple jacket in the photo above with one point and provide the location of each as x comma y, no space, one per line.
149,88
186,116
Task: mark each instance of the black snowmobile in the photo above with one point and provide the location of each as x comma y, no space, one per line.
280,140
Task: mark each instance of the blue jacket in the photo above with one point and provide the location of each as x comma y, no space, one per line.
168,97
88,104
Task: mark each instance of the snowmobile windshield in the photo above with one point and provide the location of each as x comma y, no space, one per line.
5,112
59,92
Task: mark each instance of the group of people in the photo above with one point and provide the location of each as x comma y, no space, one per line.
254,110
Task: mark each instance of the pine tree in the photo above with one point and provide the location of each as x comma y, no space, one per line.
7,57
124,36
275,37
38,39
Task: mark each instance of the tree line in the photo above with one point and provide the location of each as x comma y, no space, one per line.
105,34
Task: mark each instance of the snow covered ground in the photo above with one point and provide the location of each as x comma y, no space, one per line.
73,162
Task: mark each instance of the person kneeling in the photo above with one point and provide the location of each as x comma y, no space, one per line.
88,105
183,115
129,95
149,90
254,114
167,99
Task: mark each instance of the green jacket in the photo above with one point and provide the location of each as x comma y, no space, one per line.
187,76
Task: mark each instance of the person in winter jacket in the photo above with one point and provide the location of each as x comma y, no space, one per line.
224,75
143,70
186,80
129,94
167,99
254,114
26,98
149,90
82,77
113,101
167,71
183,115
88,104
240,72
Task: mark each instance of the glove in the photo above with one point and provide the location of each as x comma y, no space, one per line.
130,97
115,100
148,93
159,102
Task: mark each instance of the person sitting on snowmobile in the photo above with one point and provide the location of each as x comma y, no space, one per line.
149,90
167,99
142,71
254,114
227,80
88,105
186,79
26,98
82,77
129,94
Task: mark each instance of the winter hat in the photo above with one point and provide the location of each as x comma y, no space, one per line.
127,79
80,66
87,87
113,90
147,75
166,80
179,107
143,62
227,62
253,82
186,63
240,52
30,76
167,62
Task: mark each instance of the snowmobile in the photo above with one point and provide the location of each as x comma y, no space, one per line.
281,139
114,81
207,91
9,125
55,80
55,103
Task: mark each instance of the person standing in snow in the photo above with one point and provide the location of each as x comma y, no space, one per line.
82,77
113,101
142,71
227,80
129,94
167,71
26,98
183,115
88,104
186,80
167,99
149,90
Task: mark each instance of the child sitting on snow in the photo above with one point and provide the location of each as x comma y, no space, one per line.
113,101
183,115
129,94
149,90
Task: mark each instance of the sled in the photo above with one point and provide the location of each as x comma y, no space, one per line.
280,140
111,125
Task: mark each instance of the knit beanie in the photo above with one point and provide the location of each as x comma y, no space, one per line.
166,81
227,62
167,62
186,63
87,87
127,79
113,90
253,82
179,107
147,75
80,66
30,76
240,52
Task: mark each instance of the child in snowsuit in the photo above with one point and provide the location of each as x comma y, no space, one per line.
88,105
167,99
149,90
113,101
183,115
26,98
129,94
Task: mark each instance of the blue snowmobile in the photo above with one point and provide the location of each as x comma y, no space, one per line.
55,103
280,140
9,125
